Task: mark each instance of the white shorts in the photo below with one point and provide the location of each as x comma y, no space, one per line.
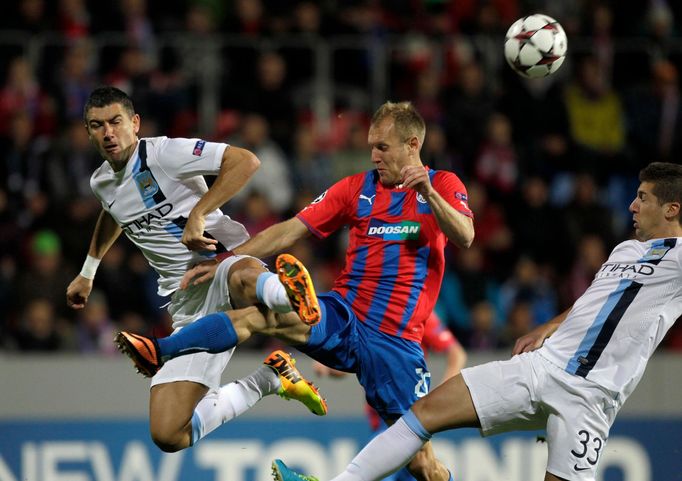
185,307
527,392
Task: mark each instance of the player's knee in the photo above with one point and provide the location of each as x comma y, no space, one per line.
169,442
420,408
242,281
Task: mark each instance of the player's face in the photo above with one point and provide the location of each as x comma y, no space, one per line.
389,152
648,214
113,132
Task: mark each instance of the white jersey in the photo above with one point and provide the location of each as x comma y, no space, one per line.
615,326
151,199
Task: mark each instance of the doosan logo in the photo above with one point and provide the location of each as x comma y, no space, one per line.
402,231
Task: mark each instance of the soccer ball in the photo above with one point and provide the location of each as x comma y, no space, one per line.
535,46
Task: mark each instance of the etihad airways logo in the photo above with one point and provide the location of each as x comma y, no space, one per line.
617,269
146,220
403,231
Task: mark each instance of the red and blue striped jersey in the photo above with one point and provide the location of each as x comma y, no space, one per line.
395,257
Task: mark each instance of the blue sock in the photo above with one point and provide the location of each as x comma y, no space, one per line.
416,427
196,429
213,334
260,284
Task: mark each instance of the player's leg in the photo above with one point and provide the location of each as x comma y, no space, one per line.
406,438
290,289
221,331
448,406
171,407
580,417
187,402
250,282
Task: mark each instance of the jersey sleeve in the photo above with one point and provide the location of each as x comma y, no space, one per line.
436,337
329,212
184,158
452,189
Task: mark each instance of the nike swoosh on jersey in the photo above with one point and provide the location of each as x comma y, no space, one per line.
579,468
112,203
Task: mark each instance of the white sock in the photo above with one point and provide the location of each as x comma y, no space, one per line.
271,292
386,453
231,400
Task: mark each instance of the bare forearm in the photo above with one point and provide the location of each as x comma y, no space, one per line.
274,239
457,227
105,234
237,168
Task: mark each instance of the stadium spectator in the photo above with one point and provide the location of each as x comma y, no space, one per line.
46,274
586,214
591,254
94,328
496,164
469,105
596,119
467,283
23,94
493,234
273,179
530,283
654,114
312,165
38,329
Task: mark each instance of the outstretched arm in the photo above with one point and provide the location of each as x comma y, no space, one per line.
105,234
535,338
274,239
237,167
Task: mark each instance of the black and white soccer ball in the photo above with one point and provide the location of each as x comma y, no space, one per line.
535,46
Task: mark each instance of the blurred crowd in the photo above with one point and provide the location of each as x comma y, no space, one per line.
550,165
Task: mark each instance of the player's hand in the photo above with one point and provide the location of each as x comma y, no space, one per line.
416,177
200,273
78,292
193,235
534,339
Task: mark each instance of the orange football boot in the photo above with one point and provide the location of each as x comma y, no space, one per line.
296,280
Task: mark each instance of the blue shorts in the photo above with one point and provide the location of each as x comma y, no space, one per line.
392,370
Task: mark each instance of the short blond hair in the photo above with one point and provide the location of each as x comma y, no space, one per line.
408,122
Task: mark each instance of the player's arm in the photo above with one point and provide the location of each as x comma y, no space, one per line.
456,358
237,167
457,227
535,338
274,239
105,234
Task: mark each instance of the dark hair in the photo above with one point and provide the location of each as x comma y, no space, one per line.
667,180
103,96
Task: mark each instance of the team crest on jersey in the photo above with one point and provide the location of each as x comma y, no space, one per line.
655,253
420,198
403,231
198,147
146,184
